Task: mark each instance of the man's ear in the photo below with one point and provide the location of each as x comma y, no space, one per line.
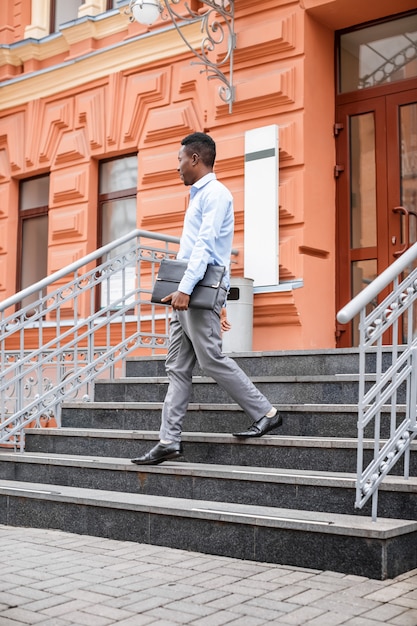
195,157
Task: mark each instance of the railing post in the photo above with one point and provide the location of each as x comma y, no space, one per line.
361,393
411,408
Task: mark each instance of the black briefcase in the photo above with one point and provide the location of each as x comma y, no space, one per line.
205,293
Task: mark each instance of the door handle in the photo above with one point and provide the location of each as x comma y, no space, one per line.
403,211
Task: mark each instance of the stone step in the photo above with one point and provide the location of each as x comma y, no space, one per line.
310,420
282,363
286,498
310,453
336,389
287,488
327,541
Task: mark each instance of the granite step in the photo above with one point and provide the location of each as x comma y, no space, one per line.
287,488
335,389
309,453
381,549
276,363
302,420
287,497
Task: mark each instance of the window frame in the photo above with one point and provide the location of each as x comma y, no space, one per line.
52,16
24,215
358,27
102,199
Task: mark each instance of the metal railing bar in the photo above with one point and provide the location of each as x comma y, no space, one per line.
99,323
89,258
67,360
389,385
371,291
89,367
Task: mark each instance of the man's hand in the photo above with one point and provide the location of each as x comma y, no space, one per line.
179,300
225,325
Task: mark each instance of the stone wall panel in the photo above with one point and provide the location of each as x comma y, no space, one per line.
12,133
142,92
69,185
4,200
66,224
56,117
72,147
60,256
91,113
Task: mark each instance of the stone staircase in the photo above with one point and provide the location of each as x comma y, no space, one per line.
286,498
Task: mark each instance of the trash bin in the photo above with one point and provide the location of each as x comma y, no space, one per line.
240,315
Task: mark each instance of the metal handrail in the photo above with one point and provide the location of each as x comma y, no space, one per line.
61,334
387,374
86,260
381,282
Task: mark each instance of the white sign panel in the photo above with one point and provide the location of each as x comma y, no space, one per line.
261,206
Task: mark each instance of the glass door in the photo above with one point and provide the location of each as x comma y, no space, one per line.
402,163
402,169
376,191
376,152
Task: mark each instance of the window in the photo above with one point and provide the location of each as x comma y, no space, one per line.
379,54
117,213
63,11
33,233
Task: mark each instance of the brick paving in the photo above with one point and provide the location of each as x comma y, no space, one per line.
53,578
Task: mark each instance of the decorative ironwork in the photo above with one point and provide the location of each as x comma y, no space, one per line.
382,74
73,339
216,19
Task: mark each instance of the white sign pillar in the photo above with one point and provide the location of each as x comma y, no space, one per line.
261,206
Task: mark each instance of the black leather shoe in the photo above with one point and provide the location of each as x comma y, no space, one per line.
161,452
261,427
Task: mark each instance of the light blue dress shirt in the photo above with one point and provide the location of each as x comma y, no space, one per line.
207,232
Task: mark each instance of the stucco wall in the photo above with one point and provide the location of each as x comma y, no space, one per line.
106,87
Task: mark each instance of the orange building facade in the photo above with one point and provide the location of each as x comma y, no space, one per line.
100,87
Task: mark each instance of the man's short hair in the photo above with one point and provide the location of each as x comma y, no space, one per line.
203,145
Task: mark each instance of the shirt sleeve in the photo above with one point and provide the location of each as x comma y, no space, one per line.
213,207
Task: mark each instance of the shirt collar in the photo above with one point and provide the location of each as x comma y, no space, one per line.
202,181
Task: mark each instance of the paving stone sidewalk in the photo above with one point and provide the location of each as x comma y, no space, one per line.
53,578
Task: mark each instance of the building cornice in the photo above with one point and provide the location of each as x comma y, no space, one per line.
141,50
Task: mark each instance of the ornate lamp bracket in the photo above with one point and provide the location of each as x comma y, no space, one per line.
216,19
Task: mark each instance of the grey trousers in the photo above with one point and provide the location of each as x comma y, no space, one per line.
195,336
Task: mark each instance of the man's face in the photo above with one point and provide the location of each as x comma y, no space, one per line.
187,166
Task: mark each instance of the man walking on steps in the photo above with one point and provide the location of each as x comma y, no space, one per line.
195,334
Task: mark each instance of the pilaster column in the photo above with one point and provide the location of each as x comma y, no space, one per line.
39,27
92,7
